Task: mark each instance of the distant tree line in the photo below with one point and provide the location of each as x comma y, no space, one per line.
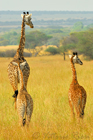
45,12
42,22
78,38
80,41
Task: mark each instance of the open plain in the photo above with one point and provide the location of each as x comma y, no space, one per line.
48,84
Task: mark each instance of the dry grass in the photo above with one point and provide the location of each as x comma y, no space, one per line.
10,47
48,85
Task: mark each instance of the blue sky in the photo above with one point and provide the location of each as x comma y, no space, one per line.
47,5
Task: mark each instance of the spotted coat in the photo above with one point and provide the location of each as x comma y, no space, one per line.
13,70
24,100
77,94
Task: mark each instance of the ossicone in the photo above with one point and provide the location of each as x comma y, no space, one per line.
24,13
75,53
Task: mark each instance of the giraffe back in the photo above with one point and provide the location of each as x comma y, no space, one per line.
13,73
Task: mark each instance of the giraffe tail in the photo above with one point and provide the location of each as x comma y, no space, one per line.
82,114
24,122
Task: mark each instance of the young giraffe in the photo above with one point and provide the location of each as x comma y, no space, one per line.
24,100
12,69
77,94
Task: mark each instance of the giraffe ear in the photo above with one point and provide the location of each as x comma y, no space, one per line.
22,15
30,15
70,56
74,58
22,64
14,63
74,53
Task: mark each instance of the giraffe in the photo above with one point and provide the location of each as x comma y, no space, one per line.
13,73
77,94
24,101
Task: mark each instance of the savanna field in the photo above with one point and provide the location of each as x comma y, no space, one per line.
48,84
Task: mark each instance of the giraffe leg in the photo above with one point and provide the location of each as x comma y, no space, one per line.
20,121
13,78
80,108
20,111
29,111
77,108
72,109
28,118
15,97
15,87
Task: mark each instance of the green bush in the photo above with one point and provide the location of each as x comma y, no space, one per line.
52,50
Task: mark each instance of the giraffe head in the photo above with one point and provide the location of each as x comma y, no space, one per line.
74,58
27,19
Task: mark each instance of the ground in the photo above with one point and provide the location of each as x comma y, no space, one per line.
48,84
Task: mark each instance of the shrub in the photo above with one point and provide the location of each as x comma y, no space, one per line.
52,50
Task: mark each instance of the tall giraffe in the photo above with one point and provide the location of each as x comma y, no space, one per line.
24,101
13,73
77,94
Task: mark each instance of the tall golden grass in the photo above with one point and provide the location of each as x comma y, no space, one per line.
10,47
50,77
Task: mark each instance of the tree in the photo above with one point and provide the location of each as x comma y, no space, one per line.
12,37
36,38
78,26
85,43
3,42
79,41
14,33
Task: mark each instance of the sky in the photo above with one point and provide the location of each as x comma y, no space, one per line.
46,5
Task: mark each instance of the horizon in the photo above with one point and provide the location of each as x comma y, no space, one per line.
49,5
48,10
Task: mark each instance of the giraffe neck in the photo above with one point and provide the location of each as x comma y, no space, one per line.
20,50
22,39
74,75
21,78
